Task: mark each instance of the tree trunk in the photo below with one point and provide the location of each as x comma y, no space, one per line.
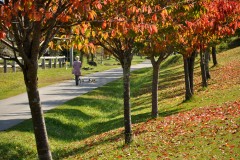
81,56
155,90
92,57
203,69
207,55
188,93
191,61
40,132
127,107
214,56
88,58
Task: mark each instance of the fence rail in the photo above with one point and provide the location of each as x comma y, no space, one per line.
50,62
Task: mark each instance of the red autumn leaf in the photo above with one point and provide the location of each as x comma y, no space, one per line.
134,9
154,29
154,17
37,16
149,10
144,8
98,6
104,25
2,35
141,18
113,33
48,15
105,2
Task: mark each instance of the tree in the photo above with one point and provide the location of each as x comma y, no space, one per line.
214,20
159,45
123,23
188,61
186,41
125,58
214,55
27,27
158,49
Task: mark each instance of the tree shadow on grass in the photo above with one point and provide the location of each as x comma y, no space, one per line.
80,111
169,112
13,151
139,108
114,124
72,130
63,154
235,43
141,101
101,128
167,78
176,93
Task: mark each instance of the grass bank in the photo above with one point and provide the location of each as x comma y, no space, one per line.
90,126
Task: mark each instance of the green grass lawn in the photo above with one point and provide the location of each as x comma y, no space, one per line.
91,126
14,83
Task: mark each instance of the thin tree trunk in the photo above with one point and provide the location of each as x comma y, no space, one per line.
88,58
214,55
127,107
92,57
203,69
207,55
40,132
188,93
155,89
81,56
191,61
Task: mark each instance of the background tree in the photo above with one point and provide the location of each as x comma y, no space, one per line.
209,22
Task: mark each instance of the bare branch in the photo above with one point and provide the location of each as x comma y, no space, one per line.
9,45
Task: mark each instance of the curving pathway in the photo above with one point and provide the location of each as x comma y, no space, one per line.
15,109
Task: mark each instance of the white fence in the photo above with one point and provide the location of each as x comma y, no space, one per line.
50,62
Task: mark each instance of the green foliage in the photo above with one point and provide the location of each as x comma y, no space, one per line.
172,60
228,43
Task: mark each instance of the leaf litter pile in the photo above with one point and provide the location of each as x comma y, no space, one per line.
203,133
195,134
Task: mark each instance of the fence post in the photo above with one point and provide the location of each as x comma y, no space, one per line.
50,63
60,63
5,65
63,62
43,63
13,66
55,62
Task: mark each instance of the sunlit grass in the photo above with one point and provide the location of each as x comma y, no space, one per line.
90,126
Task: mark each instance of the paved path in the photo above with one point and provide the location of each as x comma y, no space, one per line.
16,109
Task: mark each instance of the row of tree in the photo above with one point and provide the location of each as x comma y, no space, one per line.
156,28
160,28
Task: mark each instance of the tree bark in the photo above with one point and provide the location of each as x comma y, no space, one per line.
127,107
203,69
188,93
155,78
81,56
191,62
214,56
30,69
40,132
92,57
88,58
207,55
